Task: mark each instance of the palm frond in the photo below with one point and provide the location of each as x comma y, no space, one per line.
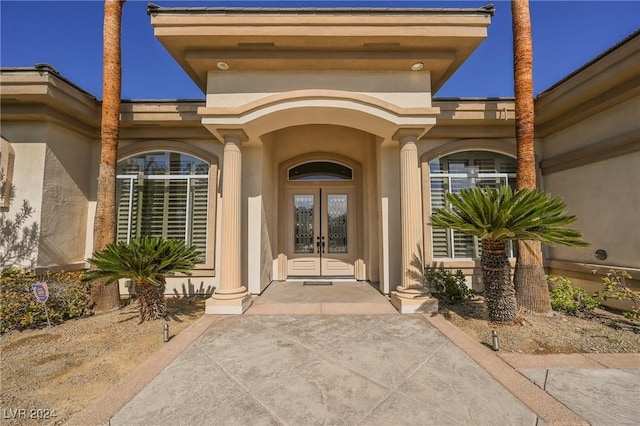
142,260
503,214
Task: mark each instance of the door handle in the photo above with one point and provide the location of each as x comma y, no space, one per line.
323,245
318,243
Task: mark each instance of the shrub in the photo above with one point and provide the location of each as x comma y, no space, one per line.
68,298
146,261
569,298
615,286
453,287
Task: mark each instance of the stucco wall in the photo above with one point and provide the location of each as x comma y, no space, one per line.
295,141
52,170
390,226
66,191
603,194
29,144
402,88
269,239
253,243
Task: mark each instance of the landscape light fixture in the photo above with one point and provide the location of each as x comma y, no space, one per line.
495,345
165,333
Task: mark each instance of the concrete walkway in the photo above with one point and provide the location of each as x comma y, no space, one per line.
354,369
339,298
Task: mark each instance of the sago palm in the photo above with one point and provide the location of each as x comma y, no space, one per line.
496,216
145,261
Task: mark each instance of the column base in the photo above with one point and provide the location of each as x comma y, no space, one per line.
412,300
228,302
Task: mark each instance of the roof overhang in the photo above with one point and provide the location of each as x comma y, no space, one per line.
609,80
320,39
41,94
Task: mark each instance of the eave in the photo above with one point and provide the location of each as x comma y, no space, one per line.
610,80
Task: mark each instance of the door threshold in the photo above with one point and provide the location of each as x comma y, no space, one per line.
322,279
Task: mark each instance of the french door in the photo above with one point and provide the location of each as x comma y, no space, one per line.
320,231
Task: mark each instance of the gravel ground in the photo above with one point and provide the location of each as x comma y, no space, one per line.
598,332
52,373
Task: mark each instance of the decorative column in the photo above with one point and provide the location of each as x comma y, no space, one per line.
231,297
411,296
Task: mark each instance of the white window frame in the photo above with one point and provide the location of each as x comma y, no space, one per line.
208,249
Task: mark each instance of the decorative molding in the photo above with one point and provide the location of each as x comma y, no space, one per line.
412,134
166,145
318,94
496,145
233,135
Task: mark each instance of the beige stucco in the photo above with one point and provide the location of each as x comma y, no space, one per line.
589,137
27,142
66,192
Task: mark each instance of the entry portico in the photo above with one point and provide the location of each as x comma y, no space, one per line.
318,90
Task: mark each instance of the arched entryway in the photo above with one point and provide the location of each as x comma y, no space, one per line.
321,219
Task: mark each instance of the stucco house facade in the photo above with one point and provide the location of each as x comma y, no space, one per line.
319,150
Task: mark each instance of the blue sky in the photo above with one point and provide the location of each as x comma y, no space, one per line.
68,36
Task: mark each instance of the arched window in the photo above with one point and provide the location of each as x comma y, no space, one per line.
320,171
163,194
461,170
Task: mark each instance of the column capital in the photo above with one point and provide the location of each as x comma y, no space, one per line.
404,135
236,136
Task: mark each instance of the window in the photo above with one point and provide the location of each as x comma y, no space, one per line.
321,171
163,194
460,171
6,173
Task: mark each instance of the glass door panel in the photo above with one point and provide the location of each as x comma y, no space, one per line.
320,231
337,230
303,223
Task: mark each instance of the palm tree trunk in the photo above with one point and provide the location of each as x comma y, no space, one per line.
529,278
152,303
106,298
499,294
